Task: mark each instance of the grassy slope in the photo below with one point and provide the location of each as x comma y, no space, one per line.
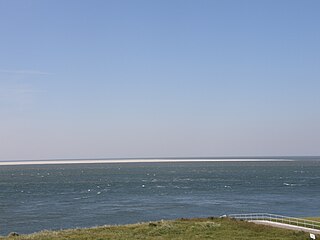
314,218
213,228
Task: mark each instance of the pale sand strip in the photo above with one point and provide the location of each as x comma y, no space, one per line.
286,226
31,162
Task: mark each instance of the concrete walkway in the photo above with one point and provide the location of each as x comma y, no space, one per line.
286,226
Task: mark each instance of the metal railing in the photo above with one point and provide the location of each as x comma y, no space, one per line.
277,218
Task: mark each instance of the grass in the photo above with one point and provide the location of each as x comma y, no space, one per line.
205,228
293,221
314,218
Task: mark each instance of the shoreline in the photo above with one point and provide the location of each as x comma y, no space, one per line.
108,161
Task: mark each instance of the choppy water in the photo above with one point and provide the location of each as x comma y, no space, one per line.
38,197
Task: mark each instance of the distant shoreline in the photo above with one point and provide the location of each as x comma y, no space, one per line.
159,160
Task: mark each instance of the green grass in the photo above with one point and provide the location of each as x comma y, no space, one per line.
293,221
314,218
210,228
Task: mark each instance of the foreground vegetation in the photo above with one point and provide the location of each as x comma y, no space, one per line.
209,228
314,218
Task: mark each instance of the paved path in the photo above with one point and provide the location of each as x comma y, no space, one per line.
286,226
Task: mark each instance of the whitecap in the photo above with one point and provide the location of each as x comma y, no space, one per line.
290,184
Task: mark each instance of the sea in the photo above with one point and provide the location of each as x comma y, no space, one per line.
59,196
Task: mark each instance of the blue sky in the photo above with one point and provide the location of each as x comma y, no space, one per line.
87,79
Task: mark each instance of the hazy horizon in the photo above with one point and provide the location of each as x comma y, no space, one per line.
114,79
197,158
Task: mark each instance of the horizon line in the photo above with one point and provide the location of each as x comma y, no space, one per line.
168,157
151,160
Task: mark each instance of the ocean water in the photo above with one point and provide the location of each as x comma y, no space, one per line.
38,197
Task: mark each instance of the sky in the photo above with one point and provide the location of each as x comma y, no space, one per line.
169,78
